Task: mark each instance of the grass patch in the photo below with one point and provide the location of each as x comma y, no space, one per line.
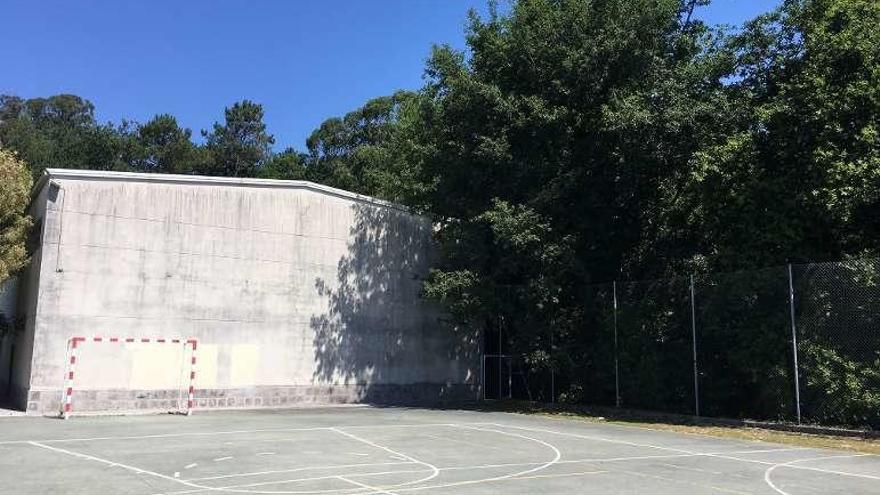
689,425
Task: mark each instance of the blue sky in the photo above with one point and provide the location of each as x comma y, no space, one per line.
304,61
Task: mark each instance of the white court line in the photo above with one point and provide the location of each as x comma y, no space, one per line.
403,487
104,461
686,468
190,466
434,470
790,464
206,488
593,437
230,432
238,488
221,459
804,468
295,470
453,468
170,478
534,477
681,482
299,480
660,431
380,473
488,466
720,456
558,455
560,475
464,442
599,460
368,487
160,435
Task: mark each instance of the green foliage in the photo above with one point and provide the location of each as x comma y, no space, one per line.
799,159
555,144
375,150
456,290
287,165
240,146
15,189
58,131
162,146
567,149
845,387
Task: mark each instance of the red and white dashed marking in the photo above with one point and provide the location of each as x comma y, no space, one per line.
190,403
75,342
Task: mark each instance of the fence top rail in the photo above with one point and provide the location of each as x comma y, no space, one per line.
700,275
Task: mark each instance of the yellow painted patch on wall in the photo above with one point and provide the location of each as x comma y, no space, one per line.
206,366
245,358
158,367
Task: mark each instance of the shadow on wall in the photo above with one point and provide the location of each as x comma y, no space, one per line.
9,323
378,340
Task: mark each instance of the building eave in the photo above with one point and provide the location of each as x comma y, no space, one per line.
204,180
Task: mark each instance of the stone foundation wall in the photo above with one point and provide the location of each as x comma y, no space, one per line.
48,402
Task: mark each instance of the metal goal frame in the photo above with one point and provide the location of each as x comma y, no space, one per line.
483,371
74,343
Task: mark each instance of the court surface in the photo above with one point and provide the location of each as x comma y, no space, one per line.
367,450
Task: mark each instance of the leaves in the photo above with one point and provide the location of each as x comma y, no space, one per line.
15,190
240,146
162,146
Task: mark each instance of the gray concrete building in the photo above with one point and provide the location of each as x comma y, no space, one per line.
295,292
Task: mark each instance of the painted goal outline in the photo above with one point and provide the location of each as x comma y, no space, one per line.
74,343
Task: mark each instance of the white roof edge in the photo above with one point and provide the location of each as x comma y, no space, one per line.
206,180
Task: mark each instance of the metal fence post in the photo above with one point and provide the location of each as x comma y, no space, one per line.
510,377
552,370
694,337
797,385
482,390
500,353
616,363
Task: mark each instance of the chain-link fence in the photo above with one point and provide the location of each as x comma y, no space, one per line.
744,348
797,343
654,345
837,321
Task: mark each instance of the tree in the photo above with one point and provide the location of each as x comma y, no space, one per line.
59,131
287,165
240,146
564,121
565,149
795,176
15,190
375,150
162,146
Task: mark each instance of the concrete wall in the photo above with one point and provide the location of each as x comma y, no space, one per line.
295,293
21,342
8,310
